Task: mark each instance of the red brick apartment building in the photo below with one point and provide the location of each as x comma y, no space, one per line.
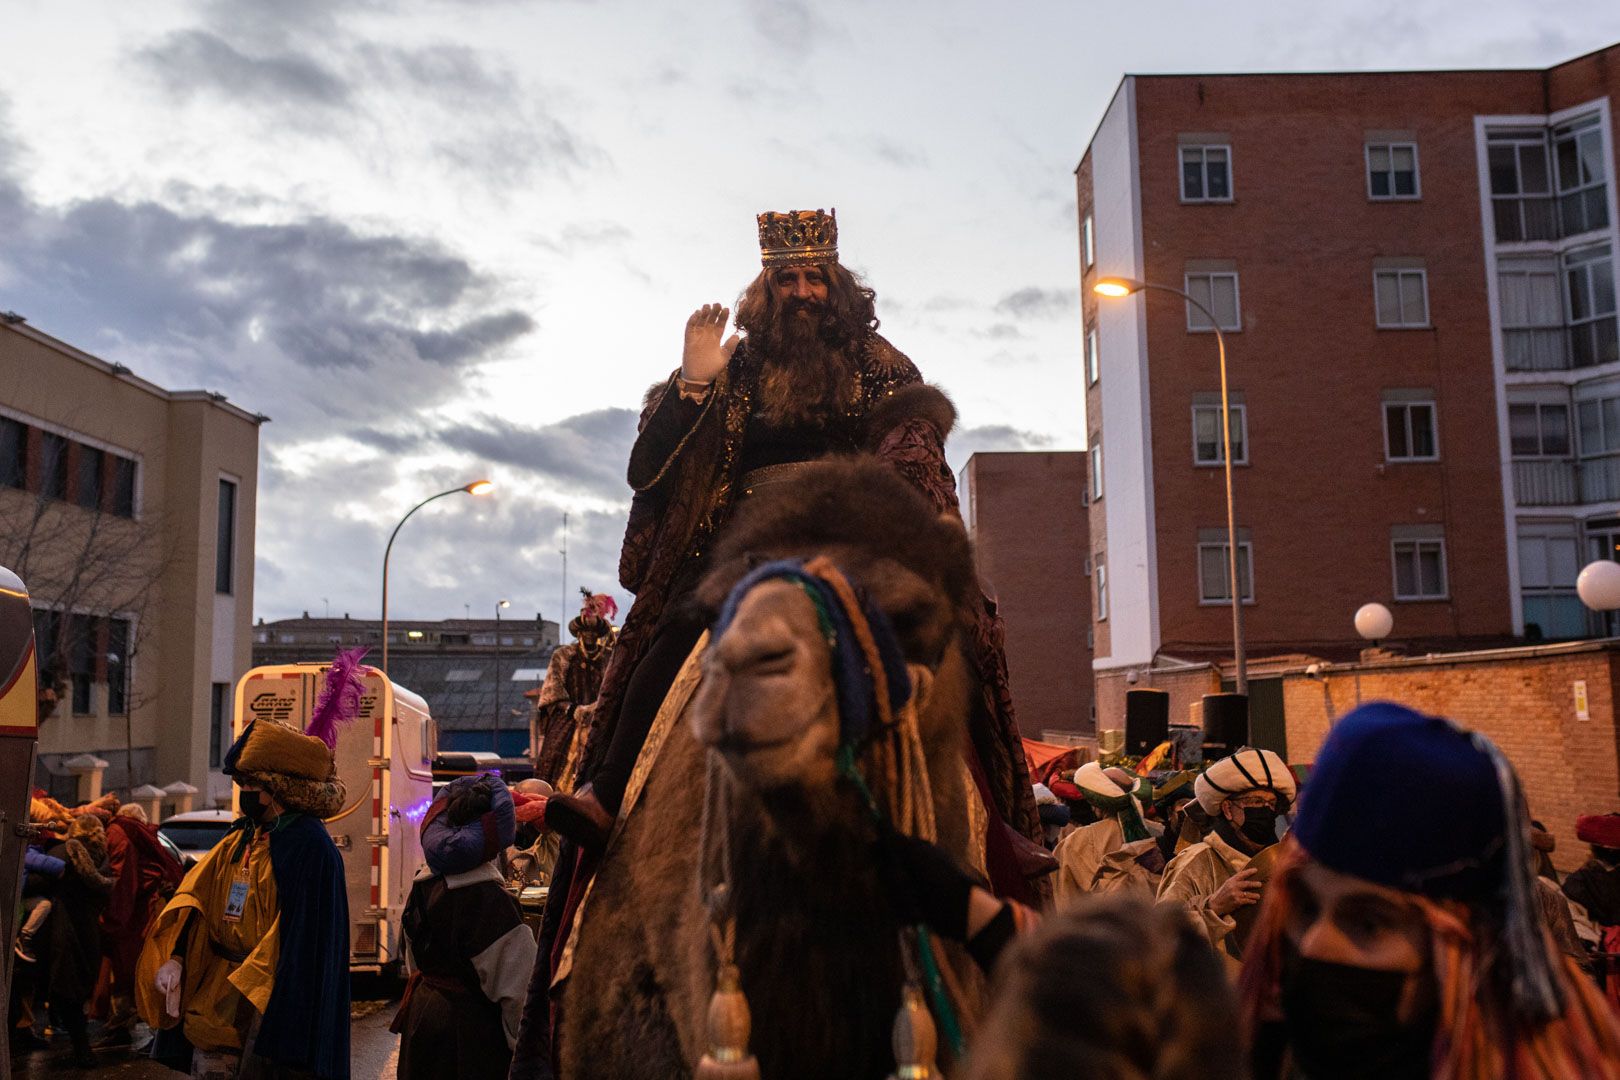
1027,517
1415,274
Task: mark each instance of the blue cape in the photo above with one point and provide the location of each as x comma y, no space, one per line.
306,1026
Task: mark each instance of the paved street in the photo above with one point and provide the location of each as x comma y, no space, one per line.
374,1048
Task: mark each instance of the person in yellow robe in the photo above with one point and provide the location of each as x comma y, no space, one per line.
246,971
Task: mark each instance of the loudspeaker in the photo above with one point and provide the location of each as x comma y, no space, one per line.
1147,720
1226,724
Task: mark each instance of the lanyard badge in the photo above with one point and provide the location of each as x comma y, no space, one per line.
236,901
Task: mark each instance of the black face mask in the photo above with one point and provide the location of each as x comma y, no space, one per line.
1607,855
1341,1022
1259,825
253,805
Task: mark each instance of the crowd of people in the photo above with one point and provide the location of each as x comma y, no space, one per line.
1395,916
94,880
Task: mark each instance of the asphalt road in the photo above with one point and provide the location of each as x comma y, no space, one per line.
374,1049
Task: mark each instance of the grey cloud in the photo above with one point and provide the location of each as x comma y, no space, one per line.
965,442
257,310
457,552
1037,303
905,157
190,62
789,27
588,451
1002,332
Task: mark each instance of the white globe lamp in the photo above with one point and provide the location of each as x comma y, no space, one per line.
1599,585
1374,622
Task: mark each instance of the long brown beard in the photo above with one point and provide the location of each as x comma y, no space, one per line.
808,378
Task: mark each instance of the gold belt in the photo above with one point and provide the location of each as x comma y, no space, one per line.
768,475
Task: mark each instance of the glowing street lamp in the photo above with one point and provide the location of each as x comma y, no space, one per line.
1119,287
477,487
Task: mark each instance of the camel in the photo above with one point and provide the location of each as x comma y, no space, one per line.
817,941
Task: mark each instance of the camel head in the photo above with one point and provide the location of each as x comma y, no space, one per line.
769,699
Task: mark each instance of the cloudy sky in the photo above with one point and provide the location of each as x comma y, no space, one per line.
436,240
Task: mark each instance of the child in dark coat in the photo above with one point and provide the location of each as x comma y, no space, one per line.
470,953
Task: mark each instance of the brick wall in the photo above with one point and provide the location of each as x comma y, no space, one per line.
1524,702
1310,361
1029,533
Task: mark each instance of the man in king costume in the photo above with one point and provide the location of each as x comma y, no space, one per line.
573,681
246,971
808,378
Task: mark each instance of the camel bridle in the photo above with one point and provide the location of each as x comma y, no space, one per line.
881,755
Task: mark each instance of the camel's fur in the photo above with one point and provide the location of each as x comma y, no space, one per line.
817,942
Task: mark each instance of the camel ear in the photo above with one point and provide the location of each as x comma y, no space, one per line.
919,401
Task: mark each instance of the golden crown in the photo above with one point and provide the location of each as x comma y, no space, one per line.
798,237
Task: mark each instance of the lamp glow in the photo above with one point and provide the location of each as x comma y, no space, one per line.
480,487
1116,287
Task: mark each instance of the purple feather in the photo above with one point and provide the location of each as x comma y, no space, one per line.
339,702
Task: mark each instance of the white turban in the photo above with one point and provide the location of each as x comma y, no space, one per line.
1247,770
1091,777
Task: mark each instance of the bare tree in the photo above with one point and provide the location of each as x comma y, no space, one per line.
84,567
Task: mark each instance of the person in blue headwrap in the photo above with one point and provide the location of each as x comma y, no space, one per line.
469,951
1401,935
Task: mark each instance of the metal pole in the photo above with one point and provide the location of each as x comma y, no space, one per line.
496,734
388,551
1239,654
564,608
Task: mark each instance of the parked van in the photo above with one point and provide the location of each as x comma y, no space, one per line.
385,758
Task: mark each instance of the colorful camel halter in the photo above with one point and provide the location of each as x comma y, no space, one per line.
873,689
868,666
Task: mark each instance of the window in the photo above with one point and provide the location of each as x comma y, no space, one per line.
1392,171
1599,422
1409,431
1215,569
1207,441
1402,298
123,487
1088,244
1099,574
89,487
225,540
1093,364
1521,186
117,666
219,722
1578,159
84,633
1549,560
1589,295
1096,467
53,474
1532,313
1206,174
1420,563
13,453
1218,293
1539,430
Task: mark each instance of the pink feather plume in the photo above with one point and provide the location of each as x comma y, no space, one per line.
600,605
339,702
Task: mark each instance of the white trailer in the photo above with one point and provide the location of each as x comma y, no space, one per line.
385,758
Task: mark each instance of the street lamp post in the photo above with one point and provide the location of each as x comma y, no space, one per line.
1374,623
477,487
496,735
1119,287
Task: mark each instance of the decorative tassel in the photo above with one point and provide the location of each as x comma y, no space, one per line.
729,1025
915,1042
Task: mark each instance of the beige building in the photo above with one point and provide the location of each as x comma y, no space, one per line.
128,510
